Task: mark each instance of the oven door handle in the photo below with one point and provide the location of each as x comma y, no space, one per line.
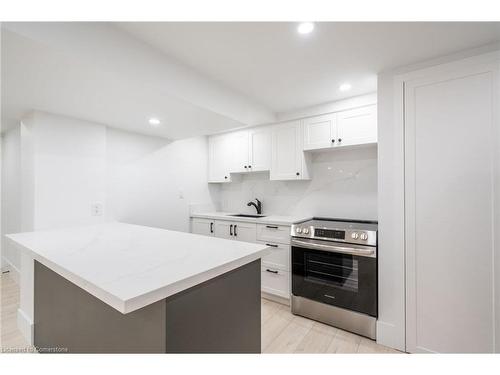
334,249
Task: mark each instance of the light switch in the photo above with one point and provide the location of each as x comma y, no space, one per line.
97,209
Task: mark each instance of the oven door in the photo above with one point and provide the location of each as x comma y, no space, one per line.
342,275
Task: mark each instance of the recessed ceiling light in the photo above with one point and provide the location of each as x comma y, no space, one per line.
153,121
345,87
305,27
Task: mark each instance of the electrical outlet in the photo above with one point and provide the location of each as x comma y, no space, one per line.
96,209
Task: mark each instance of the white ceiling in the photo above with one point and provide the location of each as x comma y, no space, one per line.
202,78
284,70
94,72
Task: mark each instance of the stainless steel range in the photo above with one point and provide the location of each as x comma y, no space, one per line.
334,273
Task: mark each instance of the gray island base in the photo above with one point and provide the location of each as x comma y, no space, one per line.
221,315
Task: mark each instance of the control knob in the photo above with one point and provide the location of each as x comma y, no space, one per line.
298,230
354,236
364,236
306,230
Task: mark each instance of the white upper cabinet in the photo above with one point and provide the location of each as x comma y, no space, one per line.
259,146
280,148
357,126
219,158
288,160
239,151
320,132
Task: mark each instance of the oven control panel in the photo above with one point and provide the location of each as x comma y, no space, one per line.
364,237
330,233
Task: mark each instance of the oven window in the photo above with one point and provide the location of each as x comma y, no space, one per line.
338,270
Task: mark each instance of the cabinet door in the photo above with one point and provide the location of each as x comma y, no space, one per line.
246,232
218,158
287,154
357,126
319,132
260,149
239,151
202,226
224,229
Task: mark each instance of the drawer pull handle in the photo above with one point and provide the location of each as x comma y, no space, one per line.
268,270
270,244
271,226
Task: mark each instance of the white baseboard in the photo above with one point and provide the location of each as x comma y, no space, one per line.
272,297
25,325
13,271
389,335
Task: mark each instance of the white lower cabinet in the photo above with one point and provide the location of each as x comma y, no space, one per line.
245,232
279,256
224,229
275,269
275,281
275,278
235,230
273,233
202,226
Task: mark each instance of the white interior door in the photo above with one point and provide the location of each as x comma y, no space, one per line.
451,196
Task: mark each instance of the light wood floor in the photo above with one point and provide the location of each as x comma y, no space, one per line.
282,332
10,337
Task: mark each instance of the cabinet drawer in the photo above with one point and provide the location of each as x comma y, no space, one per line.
279,257
273,233
275,281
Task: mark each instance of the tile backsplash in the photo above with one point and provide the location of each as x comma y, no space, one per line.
344,185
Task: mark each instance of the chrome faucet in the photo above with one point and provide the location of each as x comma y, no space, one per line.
257,206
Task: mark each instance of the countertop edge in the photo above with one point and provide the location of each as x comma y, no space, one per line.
129,305
263,220
141,301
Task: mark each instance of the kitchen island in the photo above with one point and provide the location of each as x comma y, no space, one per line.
121,288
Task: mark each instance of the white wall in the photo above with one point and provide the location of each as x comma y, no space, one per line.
69,171
343,185
11,196
153,182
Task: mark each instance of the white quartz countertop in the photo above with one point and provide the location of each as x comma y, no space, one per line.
130,266
268,219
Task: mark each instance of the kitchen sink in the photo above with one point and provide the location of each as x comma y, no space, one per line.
248,215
